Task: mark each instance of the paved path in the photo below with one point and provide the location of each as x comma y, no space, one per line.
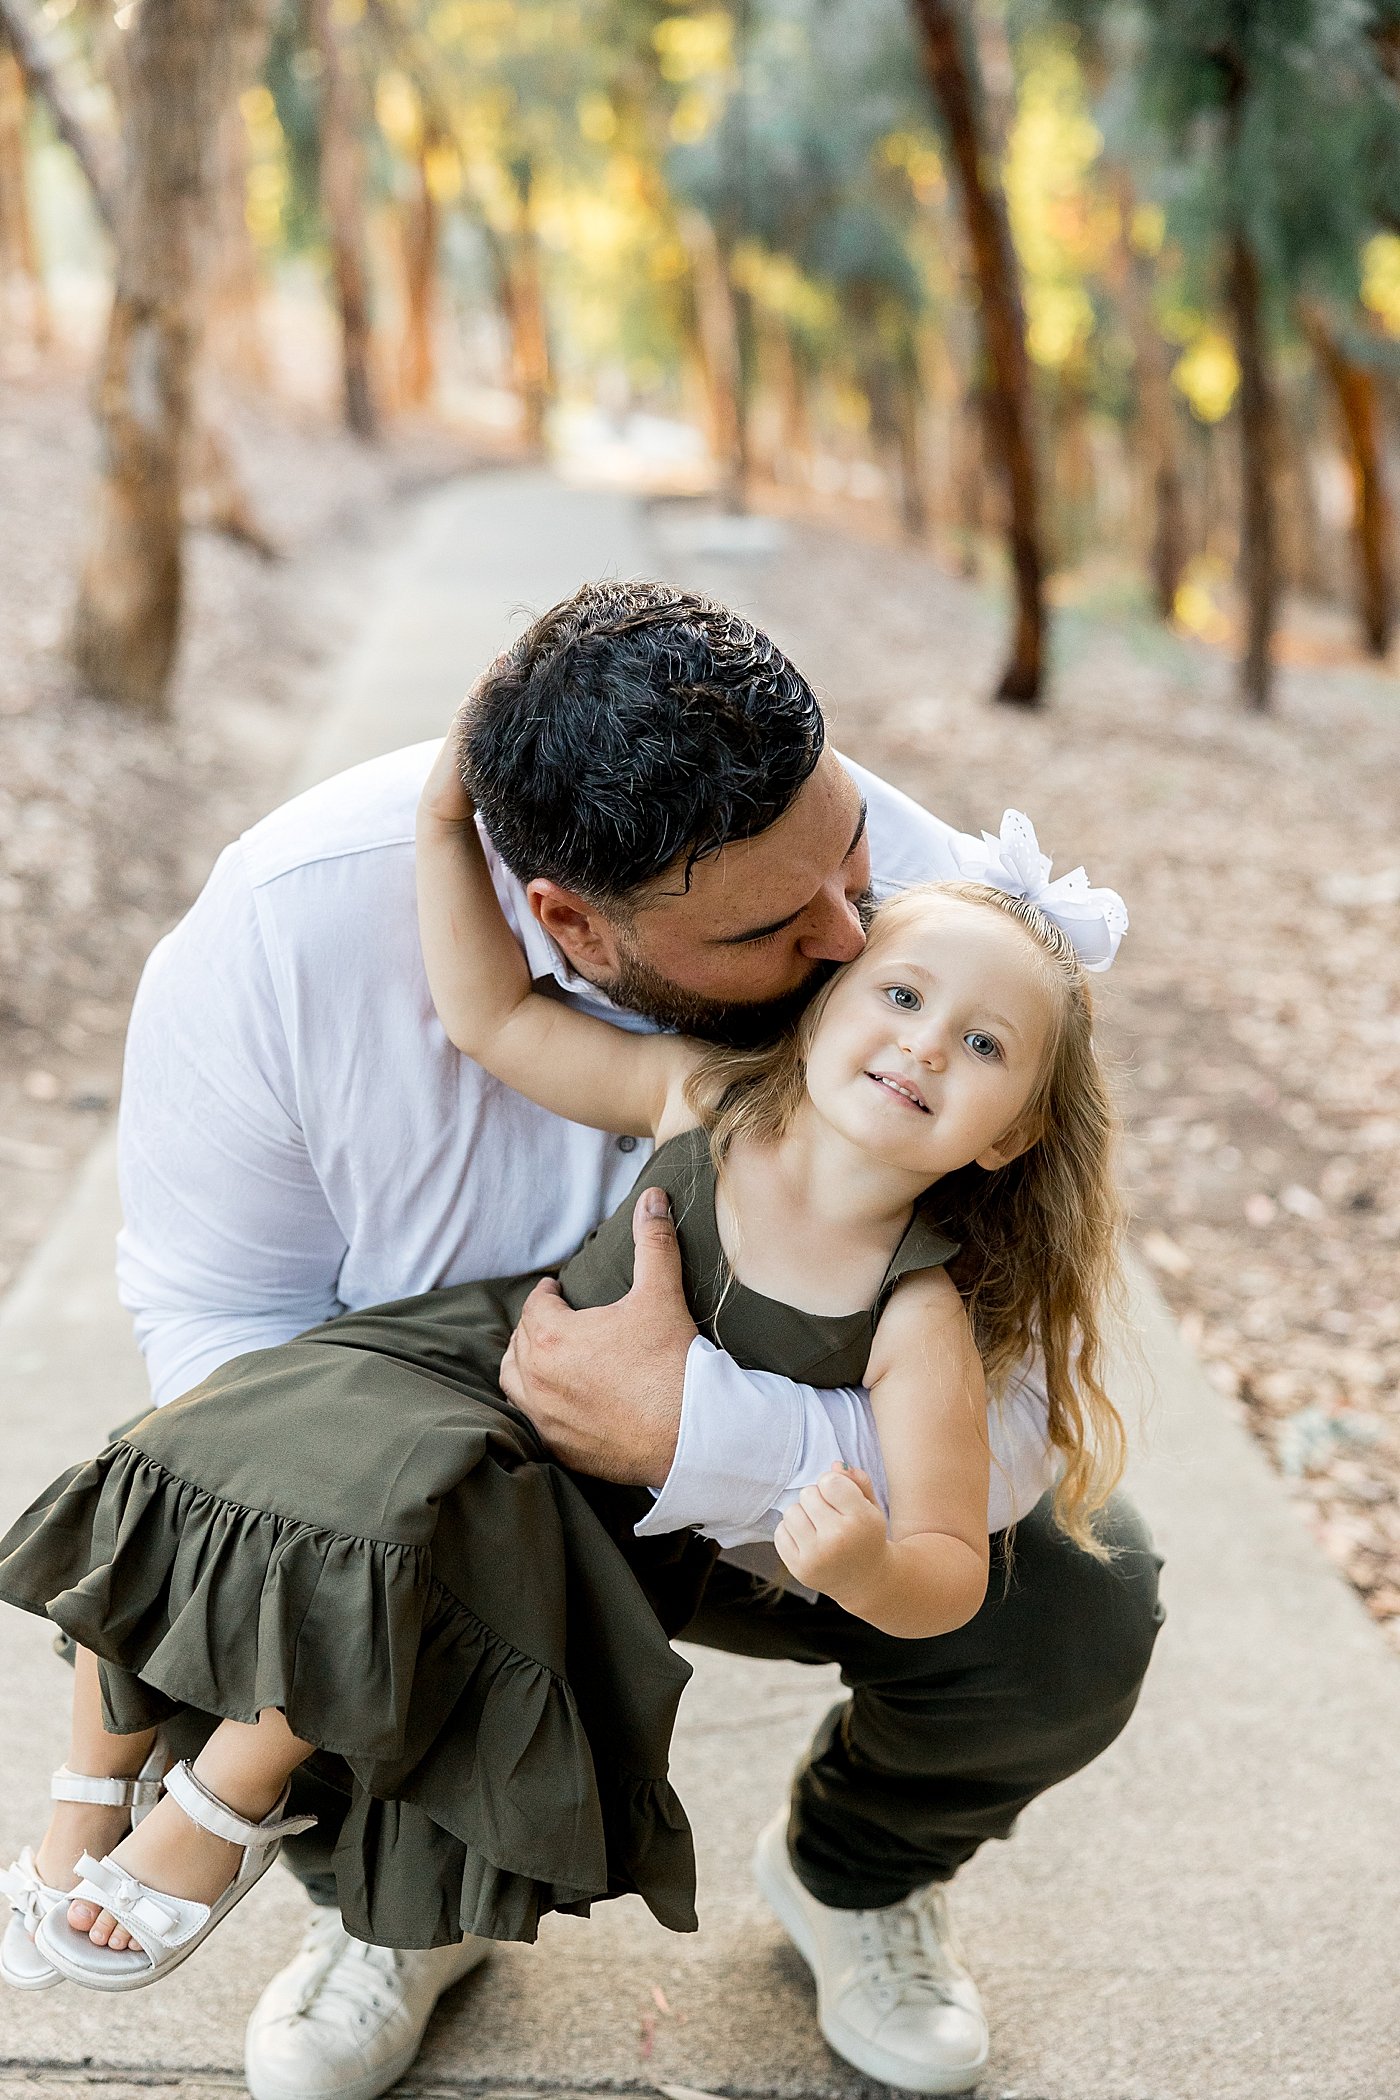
1209,1913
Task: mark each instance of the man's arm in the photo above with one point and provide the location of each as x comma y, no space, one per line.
228,1243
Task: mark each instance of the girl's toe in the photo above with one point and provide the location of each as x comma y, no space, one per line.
120,1940
82,1916
100,1932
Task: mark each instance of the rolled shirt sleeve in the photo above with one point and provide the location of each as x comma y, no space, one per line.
750,1441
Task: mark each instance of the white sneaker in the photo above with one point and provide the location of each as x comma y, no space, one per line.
343,2020
893,1996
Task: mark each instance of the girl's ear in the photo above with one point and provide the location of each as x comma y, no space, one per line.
1018,1139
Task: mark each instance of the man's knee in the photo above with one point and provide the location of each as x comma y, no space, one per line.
1079,1631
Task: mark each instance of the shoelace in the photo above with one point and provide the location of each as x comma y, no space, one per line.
902,1952
348,1977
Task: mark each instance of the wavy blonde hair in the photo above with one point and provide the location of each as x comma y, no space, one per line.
1038,1264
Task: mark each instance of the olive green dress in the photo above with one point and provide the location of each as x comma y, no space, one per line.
358,1528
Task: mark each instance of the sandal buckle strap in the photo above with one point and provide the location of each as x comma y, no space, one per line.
97,1793
215,1816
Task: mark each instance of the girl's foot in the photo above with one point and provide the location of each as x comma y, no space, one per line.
170,1853
75,1828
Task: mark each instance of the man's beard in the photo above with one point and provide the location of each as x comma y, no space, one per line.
739,1024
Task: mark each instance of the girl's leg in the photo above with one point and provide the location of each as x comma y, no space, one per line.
74,1826
246,1766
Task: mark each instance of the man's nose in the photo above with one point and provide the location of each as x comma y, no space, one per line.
835,933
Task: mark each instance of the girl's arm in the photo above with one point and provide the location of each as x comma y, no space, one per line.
571,1063
927,1573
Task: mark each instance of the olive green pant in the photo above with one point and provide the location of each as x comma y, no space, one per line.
942,1742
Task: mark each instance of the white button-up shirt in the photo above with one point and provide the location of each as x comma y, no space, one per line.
298,1138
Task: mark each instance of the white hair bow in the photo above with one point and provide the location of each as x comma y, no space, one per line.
1095,921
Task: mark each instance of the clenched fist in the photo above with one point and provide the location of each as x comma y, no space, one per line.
833,1538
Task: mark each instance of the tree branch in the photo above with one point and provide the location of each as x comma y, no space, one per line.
42,81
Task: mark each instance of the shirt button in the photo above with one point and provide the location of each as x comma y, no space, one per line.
627,1144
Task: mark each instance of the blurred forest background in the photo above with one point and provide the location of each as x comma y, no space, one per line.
1061,339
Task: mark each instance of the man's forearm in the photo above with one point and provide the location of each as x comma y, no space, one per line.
750,1441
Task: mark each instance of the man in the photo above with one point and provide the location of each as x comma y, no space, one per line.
674,843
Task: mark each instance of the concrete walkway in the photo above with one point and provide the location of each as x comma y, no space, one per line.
1209,1913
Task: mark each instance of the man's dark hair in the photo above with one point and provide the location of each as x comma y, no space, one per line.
631,727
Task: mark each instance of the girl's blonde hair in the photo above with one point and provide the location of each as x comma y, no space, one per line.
1039,1238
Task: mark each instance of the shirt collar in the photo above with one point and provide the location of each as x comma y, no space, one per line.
544,958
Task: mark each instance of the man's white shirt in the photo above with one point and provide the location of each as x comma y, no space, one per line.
299,1138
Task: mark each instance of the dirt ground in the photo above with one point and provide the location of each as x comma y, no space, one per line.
1255,1007
109,824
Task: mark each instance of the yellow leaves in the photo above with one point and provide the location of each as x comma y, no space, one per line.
1207,373
779,287
1197,608
1059,321
442,171
266,186
1148,231
597,119
1380,279
919,158
693,116
398,113
1062,227
690,47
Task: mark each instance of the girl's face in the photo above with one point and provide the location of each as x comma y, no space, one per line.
933,1041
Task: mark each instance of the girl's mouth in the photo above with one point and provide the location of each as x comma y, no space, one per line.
901,1089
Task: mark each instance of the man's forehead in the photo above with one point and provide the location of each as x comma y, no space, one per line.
753,885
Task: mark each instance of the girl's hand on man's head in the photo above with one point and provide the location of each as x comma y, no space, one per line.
444,797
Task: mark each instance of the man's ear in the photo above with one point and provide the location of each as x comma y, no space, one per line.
1018,1139
580,929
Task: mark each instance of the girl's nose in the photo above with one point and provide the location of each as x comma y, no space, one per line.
926,1046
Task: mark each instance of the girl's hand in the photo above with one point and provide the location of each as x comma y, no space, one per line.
833,1538
444,797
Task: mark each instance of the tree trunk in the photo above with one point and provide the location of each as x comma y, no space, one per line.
234,330
22,288
1355,390
951,70
1258,414
1161,451
420,228
529,326
342,198
181,63
717,334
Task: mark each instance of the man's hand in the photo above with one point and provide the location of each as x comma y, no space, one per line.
603,1386
833,1537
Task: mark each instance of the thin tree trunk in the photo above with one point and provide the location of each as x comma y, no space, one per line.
234,334
1355,390
717,334
182,58
1258,419
951,69
21,277
342,197
530,358
1161,451
41,78
420,226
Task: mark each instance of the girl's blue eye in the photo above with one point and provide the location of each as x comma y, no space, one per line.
900,995
982,1045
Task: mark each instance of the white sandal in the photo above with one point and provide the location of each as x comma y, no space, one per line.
169,1928
31,1899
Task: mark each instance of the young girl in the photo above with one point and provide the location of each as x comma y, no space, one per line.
352,1547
